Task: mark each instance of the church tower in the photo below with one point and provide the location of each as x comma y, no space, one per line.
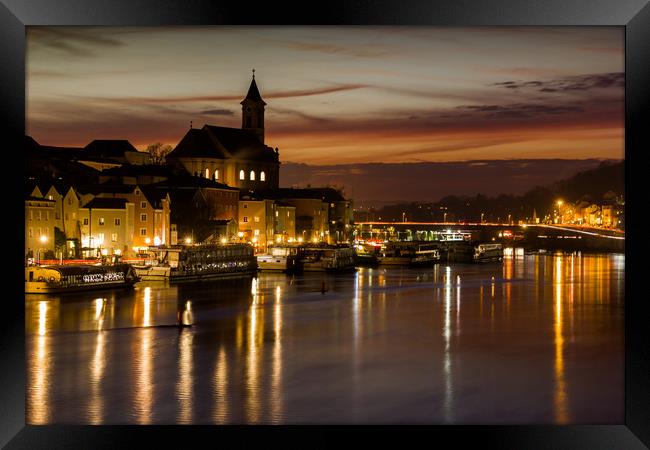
253,111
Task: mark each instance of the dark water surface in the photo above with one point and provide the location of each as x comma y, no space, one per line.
533,340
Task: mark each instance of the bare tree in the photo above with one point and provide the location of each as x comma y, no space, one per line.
158,151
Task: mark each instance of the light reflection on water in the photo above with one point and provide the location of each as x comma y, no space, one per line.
529,340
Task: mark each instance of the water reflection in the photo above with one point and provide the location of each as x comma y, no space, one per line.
274,349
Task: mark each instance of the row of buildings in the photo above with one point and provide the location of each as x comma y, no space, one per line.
607,214
217,184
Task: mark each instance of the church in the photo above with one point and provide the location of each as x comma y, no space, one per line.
233,156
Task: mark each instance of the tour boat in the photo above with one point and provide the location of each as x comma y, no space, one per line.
367,255
330,259
280,258
409,254
61,279
197,262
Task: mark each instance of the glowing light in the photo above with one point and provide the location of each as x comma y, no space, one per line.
299,239
118,251
315,240
104,251
156,240
224,240
240,234
147,241
43,239
254,240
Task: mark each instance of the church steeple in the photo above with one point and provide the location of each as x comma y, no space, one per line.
253,110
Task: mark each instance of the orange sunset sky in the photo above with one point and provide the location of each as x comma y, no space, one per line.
338,94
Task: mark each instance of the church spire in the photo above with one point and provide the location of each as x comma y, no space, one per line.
253,110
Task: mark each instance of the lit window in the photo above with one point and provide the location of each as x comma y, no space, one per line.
113,237
262,176
252,175
101,221
276,214
242,175
117,221
257,232
216,174
207,173
256,218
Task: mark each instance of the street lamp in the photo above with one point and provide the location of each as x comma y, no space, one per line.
43,240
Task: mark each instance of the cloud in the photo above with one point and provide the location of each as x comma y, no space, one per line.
72,42
218,112
574,83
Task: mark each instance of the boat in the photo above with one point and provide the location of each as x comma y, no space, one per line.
280,258
71,278
327,258
409,254
367,255
488,252
179,263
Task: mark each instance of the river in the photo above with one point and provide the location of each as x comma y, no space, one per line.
532,340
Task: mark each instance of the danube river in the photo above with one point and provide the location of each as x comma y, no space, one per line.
536,340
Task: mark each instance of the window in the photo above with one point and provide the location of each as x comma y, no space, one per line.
69,200
216,174
262,176
57,216
85,220
74,215
257,232
252,175
67,216
256,218
288,214
113,237
31,232
137,192
49,197
245,219
242,175
31,214
143,231
100,238
38,217
143,217
143,205
276,214
38,231
47,215
245,205
117,221
207,173
101,221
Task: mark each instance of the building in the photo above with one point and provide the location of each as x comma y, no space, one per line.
233,156
256,221
120,151
39,226
284,225
107,227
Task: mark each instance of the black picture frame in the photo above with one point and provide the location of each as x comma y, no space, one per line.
634,15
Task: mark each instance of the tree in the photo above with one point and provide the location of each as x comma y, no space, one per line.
59,240
158,151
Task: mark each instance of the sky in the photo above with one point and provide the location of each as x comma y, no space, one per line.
338,95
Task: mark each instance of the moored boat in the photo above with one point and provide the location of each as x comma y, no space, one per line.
327,258
61,279
280,258
488,252
197,262
409,254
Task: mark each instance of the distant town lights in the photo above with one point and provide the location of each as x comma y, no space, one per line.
147,241
156,241
43,239
223,240
188,240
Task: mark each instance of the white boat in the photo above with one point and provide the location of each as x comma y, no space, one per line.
488,252
280,258
197,262
61,278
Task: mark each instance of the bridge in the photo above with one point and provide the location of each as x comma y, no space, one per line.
547,236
